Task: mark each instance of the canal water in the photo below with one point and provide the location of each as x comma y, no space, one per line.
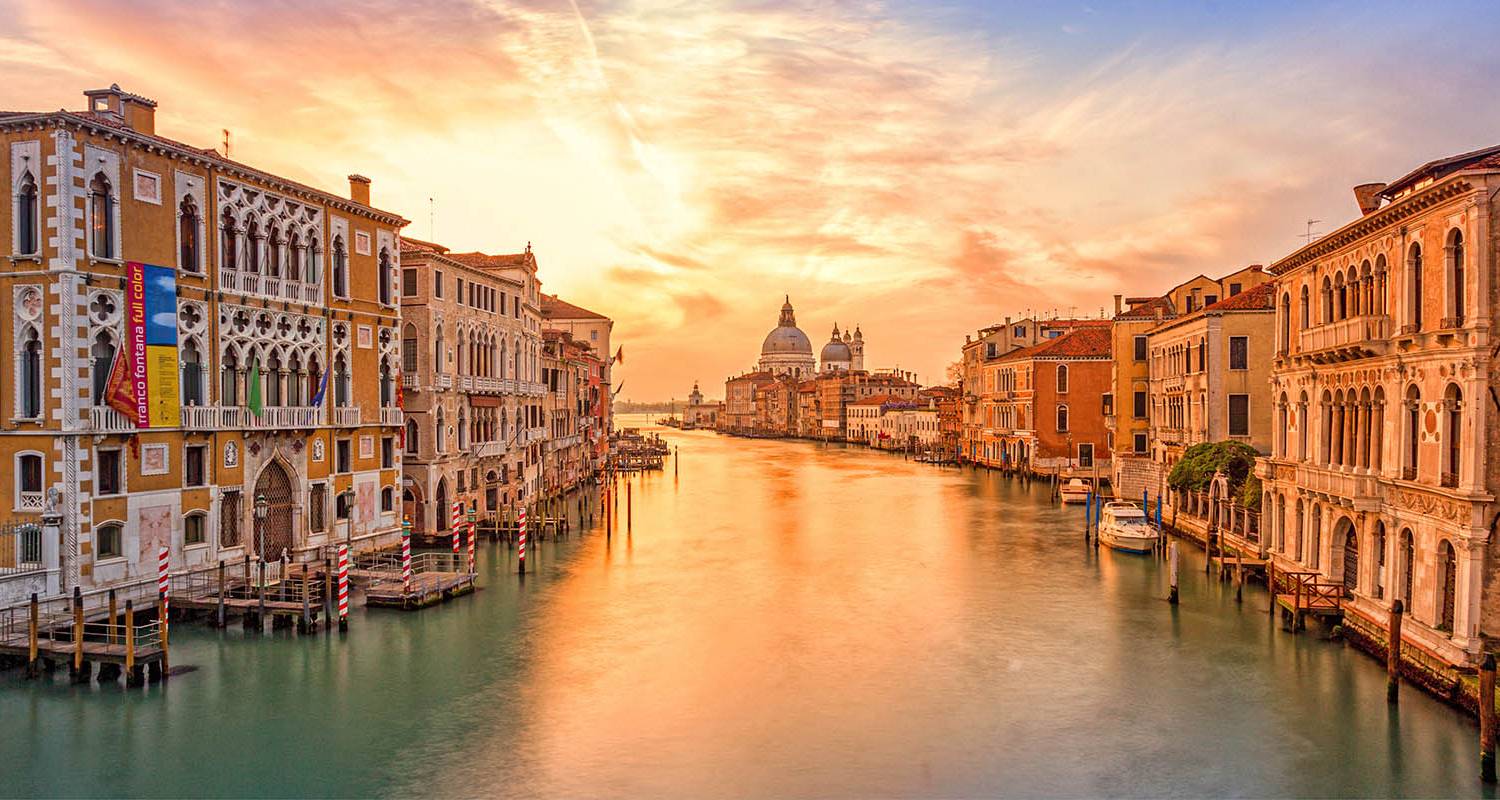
778,619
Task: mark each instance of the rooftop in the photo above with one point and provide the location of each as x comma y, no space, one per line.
554,307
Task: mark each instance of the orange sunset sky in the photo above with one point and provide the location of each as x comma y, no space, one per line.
921,169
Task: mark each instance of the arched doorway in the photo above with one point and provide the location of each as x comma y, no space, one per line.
1345,533
1408,565
440,521
411,505
1447,585
274,534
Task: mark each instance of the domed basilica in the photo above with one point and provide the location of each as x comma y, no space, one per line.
788,351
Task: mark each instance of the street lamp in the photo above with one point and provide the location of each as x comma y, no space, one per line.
261,509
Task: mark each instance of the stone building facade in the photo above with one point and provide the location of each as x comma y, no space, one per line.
266,293
1052,401
1382,474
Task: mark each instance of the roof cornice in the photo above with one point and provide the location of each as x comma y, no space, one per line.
201,158
1402,209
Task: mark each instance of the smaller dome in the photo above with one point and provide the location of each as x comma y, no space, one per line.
835,351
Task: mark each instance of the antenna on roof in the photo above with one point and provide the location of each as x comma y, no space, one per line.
1310,236
431,219
226,142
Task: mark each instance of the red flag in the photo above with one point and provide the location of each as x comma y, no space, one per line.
119,391
620,355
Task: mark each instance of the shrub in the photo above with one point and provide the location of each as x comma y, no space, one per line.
1198,465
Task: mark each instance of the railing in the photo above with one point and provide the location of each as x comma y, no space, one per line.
272,417
466,383
392,417
267,286
488,385
346,417
536,434
31,501
1336,483
104,419
390,562
1370,330
489,449
21,546
445,381
201,418
408,381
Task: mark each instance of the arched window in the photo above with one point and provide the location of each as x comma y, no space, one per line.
502,358
101,217
1327,295
1062,378
1305,311
1378,306
1455,276
1411,433
1340,298
1302,426
412,443
1315,538
1367,284
1453,401
409,349
273,259
1062,418
29,492
1286,323
102,360
229,259
187,235
1325,445
1352,290
1408,565
252,247
310,260
1380,579
1281,427
272,379
294,256
229,385
387,386
439,434
384,279
1414,286
437,351
1447,575
340,268
28,217
30,397
192,374
463,431
340,382
388,499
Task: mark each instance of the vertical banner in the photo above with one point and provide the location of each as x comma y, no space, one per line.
162,397
135,340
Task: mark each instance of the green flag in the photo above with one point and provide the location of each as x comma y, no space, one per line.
254,391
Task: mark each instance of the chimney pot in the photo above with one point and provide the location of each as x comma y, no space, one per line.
1368,196
1119,298
359,189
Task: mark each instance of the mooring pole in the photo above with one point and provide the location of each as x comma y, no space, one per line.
221,593
78,673
1393,654
1172,572
32,634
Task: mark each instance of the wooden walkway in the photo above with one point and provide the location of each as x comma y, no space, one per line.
72,631
436,578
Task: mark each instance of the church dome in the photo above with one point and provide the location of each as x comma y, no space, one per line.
786,337
837,350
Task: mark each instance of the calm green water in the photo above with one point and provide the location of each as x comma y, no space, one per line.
785,620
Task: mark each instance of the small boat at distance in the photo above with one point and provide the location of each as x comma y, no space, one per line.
1076,490
1124,526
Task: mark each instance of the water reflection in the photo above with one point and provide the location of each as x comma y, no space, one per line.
777,619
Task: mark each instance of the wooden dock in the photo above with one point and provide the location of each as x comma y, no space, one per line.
436,578
85,635
1299,593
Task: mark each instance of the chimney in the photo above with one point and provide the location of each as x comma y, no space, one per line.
1119,298
359,189
1368,196
136,112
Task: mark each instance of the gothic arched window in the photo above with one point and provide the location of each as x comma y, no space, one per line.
101,217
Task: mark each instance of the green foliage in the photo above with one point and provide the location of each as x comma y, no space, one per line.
1250,493
1198,465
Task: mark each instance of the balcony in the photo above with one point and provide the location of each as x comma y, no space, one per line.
251,283
31,501
408,381
1355,337
346,417
489,449
103,419
277,417
466,383
445,381
488,385
536,434
1361,489
203,418
392,417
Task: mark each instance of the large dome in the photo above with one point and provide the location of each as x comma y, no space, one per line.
786,339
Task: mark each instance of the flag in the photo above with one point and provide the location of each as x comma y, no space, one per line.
617,390
400,395
119,391
620,354
254,400
317,398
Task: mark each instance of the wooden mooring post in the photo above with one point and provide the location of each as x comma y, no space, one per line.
1172,572
33,664
221,613
109,630
78,672
164,625
1487,719
1393,654
134,675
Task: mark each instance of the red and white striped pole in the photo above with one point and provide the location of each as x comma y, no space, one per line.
343,587
473,535
456,522
521,537
406,555
164,585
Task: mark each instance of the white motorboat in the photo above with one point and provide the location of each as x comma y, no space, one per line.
1076,490
1125,526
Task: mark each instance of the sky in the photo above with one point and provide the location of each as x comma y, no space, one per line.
921,169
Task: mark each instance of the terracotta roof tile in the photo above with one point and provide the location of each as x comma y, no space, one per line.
555,308
487,261
1149,309
1258,298
1092,341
